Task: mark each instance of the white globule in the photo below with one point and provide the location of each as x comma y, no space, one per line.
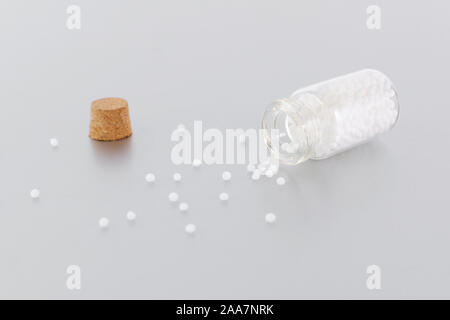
54,142
150,177
269,173
226,175
173,197
196,162
292,147
264,165
103,223
35,193
268,168
281,181
256,174
131,216
270,217
224,196
177,177
190,228
274,168
183,206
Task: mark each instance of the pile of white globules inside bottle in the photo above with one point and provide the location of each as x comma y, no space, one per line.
324,119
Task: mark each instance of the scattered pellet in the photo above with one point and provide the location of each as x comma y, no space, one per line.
256,174
54,142
262,166
173,197
35,193
226,175
131,216
150,177
285,147
270,217
177,177
274,168
190,228
183,206
293,147
281,181
103,223
224,196
269,173
196,162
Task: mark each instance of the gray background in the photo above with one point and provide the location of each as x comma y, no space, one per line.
221,62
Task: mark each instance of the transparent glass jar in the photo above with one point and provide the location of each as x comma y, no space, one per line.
329,117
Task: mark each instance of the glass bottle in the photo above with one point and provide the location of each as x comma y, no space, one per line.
329,117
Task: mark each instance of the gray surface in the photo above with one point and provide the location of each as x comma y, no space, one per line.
222,62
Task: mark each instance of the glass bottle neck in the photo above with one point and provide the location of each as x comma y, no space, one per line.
297,122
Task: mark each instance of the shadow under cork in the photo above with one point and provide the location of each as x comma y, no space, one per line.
112,152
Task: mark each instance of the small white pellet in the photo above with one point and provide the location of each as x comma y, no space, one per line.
131,216
224,196
35,193
270,217
256,174
262,167
226,175
150,177
269,173
103,223
190,228
281,181
173,197
196,162
54,142
183,206
293,147
177,177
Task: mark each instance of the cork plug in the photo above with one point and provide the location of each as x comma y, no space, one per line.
110,119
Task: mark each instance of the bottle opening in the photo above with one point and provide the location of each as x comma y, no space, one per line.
293,143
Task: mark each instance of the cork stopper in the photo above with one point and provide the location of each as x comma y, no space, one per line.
110,119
